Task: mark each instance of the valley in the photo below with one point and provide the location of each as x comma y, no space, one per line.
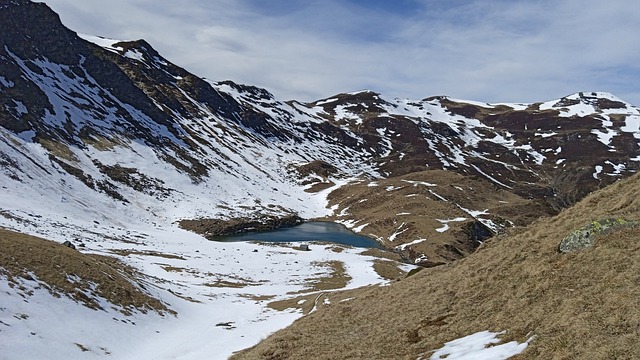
135,164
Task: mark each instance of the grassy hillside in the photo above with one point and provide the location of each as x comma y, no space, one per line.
580,305
86,278
403,209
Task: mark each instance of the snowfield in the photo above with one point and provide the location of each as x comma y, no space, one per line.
219,291
483,345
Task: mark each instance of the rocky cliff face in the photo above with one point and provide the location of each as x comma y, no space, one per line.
108,124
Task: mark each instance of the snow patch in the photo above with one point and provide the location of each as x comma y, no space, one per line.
103,42
20,108
414,242
605,137
483,345
546,135
323,102
423,183
134,54
598,169
359,228
442,198
5,82
491,177
399,231
445,223
617,168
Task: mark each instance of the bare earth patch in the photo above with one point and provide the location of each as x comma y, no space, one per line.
337,278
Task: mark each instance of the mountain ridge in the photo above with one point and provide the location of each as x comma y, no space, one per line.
90,102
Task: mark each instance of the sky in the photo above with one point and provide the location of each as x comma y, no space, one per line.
483,50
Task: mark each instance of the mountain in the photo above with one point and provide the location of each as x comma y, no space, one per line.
108,145
114,122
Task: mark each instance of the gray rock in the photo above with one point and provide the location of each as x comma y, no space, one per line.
69,245
586,236
577,240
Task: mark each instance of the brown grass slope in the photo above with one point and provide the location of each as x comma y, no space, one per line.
583,305
401,205
64,271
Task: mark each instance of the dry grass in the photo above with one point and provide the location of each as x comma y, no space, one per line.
401,205
103,143
228,284
257,297
319,186
382,254
170,268
305,303
583,305
64,271
338,278
59,149
127,252
388,270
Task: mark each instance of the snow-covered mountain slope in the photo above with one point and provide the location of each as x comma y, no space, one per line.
109,145
114,122
140,131
558,150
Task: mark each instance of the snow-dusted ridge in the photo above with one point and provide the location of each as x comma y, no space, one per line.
103,42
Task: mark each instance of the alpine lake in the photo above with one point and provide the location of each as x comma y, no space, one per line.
314,231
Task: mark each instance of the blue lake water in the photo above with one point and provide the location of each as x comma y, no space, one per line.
305,232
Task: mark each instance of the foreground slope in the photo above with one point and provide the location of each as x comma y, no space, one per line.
578,305
171,294
85,278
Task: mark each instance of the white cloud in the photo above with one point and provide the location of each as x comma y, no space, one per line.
481,50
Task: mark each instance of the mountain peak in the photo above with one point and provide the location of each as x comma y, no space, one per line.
587,102
32,30
139,50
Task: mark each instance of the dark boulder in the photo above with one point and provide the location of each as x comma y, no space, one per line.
69,244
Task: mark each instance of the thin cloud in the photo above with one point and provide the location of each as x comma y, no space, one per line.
519,51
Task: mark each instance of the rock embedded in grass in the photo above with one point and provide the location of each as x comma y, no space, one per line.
586,236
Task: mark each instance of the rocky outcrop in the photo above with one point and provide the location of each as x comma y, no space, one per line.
586,236
211,228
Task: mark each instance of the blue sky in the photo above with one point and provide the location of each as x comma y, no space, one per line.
485,50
